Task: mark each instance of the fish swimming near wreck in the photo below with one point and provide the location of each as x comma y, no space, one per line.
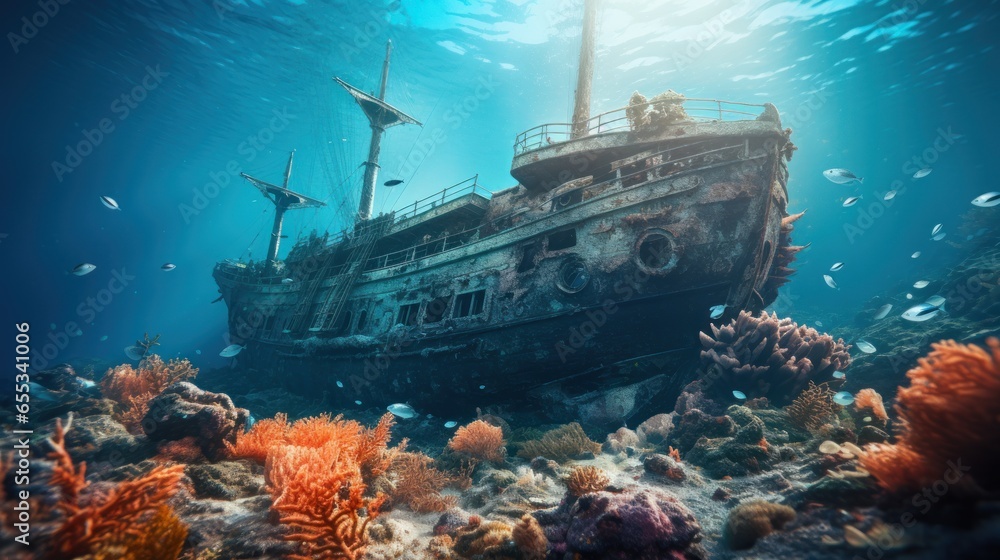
842,176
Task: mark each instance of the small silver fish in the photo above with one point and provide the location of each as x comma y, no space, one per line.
83,269
883,311
844,398
889,196
939,301
104,337
829,281
167,267
287,281
134,352
987,200
937,229
818,323
340,384
740,395
110,203
921,284
922,312
851,201
922,173
939,236
401,410
836,267
482,387
839,375
909,296
865,346
716,311
450,424
231,350
357,403
915,255
841,176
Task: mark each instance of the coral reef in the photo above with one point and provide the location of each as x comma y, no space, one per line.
746,452
133,388
867,401
769,357
632,524
530,538
480,441
584,480
264,435
418,484
185,411
162,537
621,441
91,521
949,415
485,539
320,492
753,520
561,444
813,408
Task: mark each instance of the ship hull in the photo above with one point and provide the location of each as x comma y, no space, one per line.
582,280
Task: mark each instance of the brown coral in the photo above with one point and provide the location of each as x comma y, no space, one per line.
812,408
872,401
133,388
321,491
483,539
584,480
92,521
162,538
753,520
950,417
769,357
480,440
561,444
530,538
419,485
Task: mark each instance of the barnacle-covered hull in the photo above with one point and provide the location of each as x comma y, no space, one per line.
555,287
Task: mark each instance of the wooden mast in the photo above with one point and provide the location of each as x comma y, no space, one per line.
581,109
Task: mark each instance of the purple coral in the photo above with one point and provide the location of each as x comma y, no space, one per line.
644,524
769,357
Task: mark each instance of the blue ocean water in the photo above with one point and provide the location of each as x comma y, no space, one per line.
160,105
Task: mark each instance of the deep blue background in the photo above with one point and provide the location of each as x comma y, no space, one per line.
865,85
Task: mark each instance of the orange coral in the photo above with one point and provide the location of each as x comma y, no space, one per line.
530,538
264,435
949,416
184,450
584,480
869,398
674,454
132,388
419,485
320,491
481,441
103,518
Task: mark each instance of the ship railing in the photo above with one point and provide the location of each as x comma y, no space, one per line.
460,189
697,110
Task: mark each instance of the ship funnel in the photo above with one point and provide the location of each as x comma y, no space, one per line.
381,116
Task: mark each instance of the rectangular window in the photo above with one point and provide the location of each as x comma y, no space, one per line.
470,303
408,314
562,239
436,309
528,252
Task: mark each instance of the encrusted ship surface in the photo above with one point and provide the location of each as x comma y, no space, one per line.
623,230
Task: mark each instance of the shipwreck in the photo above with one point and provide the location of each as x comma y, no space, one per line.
622,231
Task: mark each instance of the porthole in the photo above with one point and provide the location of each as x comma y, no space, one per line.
656,251
573,276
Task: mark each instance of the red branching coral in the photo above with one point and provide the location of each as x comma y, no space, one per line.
871,400
91,521
264,435
480,441
950,417
133,388
769,357
320,490
785,254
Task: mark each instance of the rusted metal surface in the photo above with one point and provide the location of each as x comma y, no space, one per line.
621,259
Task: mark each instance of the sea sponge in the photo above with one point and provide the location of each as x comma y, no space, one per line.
813,407
753,520
561,444
583,480
769,357
530,538
480,441
950,417
872,401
